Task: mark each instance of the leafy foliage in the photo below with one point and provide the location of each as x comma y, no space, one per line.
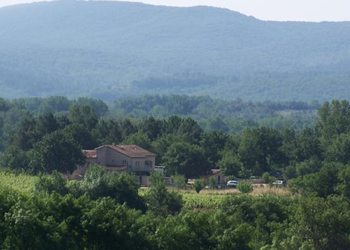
56,151
159,200
198,185
186,159
179,181
217,114
245,187
211,221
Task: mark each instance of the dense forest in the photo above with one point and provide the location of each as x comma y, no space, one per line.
211,114
108,211
37,133
115,49
215,114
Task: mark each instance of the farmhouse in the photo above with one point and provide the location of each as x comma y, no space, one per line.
220,178
118,158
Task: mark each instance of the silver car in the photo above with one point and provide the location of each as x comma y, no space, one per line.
232,183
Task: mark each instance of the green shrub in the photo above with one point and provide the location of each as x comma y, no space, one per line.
198,185
231,178
290,173
180,181
266,177
212,182
159,200
54,183
272,180
245,187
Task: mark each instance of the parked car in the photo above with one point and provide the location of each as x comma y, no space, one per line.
278,183
190,181
232,183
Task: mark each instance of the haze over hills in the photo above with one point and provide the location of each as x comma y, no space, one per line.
112,49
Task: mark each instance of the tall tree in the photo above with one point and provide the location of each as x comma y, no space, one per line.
260,149
83,115
339,150
185,159
307,145
191,130
26,135
213,143
334,119
14,158
140,138
127,128
81,135
56,151
46,124
152,127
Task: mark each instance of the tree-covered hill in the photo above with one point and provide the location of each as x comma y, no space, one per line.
110,49
211,114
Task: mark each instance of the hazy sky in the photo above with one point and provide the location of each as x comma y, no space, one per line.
281,10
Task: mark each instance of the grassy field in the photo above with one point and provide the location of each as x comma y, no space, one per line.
206,199
211,199
202,201
19,182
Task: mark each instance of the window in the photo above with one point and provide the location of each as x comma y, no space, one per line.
148,164
125,162
137,163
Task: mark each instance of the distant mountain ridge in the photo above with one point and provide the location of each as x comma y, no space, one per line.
101,48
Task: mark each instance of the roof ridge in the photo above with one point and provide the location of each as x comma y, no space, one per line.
131,150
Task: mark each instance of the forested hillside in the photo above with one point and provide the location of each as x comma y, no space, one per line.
113,49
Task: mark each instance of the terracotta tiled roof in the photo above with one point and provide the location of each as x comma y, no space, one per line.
90,154
132,151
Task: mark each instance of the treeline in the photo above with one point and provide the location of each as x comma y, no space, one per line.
215,114
177,82
58,105
16,111
262,86
197,105
211,114
46,143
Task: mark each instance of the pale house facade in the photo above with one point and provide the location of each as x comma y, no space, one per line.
119,158
128,158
